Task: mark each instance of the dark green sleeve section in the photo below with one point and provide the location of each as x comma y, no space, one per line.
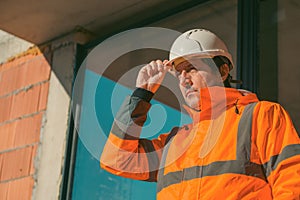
131,117
128,125
143,94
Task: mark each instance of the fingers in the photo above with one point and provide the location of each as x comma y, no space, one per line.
167,64
155,67
160,66
152,68
151,75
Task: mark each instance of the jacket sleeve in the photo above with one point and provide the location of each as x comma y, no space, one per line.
279,148
125,154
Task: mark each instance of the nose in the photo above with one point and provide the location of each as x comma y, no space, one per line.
185,79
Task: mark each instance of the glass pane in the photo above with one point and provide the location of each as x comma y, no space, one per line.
279,47
288,51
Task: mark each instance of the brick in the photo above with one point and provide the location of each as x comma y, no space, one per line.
31,70
43,96
33,155
1,162
27,130
9,79
4,190
17,163
5,108
20,132
21,77
7,135
25,102
38,70
17,60
5,66
21,189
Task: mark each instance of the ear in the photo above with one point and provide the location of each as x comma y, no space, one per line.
224,71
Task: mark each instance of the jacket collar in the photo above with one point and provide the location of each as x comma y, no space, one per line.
216,100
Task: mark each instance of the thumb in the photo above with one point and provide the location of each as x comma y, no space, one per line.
165,62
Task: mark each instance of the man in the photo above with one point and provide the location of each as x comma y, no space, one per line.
236,148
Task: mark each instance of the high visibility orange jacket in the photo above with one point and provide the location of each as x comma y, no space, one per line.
236,148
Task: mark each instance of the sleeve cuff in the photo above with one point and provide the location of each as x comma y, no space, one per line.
144,94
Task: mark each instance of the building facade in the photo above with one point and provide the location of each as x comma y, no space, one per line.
58,99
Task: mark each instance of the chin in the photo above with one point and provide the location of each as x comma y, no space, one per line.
195,107
193,102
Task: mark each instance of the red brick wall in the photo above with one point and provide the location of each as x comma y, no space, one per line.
24,84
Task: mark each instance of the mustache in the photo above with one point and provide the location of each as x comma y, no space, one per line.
188,89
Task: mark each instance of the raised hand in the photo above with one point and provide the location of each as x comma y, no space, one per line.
151,75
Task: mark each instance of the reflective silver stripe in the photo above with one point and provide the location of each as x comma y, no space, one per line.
288,152
152,157
161,177
241,166
243,148
117,131
217,168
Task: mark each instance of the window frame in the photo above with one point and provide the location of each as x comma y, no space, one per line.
247,60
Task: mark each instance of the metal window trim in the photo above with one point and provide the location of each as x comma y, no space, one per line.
247,49
66,187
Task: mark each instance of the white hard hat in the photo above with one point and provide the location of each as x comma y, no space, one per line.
198,43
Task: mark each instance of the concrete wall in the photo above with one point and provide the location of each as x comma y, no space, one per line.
11,46
35,89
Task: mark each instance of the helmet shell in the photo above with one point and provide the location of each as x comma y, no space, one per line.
198,43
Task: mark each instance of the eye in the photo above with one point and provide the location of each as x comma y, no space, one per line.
191,69
186,66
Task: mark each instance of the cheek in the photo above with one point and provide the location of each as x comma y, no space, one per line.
205,79
182,89
201,79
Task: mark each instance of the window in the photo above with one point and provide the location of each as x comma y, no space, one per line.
103,95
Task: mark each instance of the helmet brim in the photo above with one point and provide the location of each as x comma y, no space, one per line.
209,54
